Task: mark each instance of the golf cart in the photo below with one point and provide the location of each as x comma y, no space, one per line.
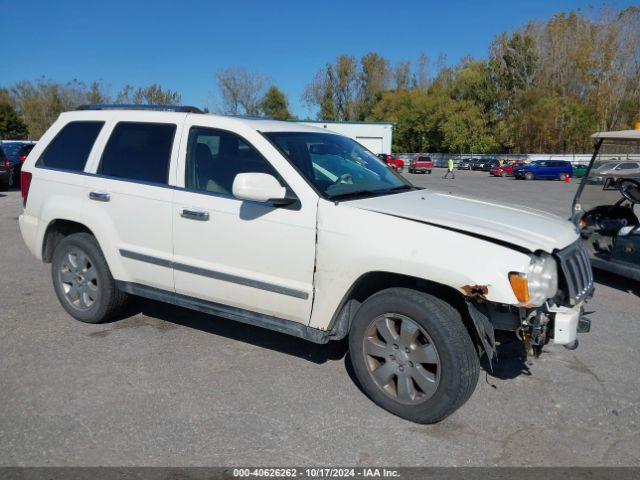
605,208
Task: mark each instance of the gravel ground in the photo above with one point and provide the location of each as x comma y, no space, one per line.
168,386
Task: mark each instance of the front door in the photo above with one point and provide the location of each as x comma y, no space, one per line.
248,255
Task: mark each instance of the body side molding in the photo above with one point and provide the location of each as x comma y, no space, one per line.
226,277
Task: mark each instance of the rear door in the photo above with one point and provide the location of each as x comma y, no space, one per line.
129,197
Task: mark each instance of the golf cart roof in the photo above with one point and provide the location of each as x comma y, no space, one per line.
619,135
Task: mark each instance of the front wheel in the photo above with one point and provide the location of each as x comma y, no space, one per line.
82,280
412,355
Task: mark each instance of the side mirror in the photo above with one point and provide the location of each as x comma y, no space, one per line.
261,187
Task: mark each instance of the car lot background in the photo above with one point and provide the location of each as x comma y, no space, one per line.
168,386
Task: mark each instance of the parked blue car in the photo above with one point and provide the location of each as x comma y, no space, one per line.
544,169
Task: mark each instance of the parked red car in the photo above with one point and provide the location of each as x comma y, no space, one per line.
504,170
394,162
420,163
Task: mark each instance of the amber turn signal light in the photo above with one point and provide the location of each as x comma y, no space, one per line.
520,286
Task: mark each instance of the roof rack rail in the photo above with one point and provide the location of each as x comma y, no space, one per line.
162,108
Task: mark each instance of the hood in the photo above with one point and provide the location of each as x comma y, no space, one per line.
523,227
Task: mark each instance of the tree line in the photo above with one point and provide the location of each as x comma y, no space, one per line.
543,88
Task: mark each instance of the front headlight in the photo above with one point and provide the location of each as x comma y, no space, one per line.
539,283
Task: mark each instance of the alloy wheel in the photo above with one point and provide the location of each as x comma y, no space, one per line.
401,358
78,278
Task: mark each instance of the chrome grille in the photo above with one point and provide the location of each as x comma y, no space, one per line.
576,269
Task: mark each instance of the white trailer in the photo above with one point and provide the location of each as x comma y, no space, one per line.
376,136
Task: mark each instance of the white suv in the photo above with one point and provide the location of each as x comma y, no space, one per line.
295,229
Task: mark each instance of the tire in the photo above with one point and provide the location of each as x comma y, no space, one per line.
11,180
400,169
563,177
429,172
450,371
503,174
90,275
529,176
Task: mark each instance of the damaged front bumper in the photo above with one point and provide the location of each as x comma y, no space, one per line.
535,327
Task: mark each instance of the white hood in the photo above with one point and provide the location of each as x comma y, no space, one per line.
526,227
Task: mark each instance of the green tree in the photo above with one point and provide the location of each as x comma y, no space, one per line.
11,126
375,77
274,104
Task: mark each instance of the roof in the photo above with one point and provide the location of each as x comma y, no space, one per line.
619,135
327,122
125,112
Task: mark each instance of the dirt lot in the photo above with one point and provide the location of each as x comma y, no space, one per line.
167,386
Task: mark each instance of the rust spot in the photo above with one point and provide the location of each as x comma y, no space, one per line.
476,291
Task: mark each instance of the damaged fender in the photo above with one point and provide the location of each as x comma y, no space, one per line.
479,314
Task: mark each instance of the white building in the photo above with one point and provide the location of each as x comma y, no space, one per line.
376,136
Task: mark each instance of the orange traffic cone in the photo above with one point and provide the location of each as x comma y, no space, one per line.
567,179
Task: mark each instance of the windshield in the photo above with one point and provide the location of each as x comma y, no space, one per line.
337,166
616,160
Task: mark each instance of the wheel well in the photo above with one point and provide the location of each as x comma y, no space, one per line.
56,231
373,282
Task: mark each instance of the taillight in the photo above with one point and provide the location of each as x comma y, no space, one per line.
25,183
22,158
7,164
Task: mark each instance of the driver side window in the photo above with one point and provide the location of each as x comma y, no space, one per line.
215,157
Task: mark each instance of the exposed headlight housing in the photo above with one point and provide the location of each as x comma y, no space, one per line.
539,283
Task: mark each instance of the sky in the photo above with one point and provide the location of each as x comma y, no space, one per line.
181,44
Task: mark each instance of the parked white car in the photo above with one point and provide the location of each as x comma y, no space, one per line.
288,227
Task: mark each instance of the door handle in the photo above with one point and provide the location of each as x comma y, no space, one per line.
194,214
99,196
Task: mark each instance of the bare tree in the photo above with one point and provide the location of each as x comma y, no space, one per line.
402,75
241,90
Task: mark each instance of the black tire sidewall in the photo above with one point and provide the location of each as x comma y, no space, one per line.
87,244
430,315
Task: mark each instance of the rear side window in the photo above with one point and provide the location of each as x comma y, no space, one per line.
70,149
139,151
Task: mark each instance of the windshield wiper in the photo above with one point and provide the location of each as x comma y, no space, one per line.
365,193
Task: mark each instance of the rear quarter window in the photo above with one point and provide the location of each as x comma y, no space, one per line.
70,148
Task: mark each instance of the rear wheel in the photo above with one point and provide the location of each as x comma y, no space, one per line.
563,177
412,355
529,176
82,280
503,174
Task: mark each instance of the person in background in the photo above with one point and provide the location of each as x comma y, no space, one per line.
450,170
